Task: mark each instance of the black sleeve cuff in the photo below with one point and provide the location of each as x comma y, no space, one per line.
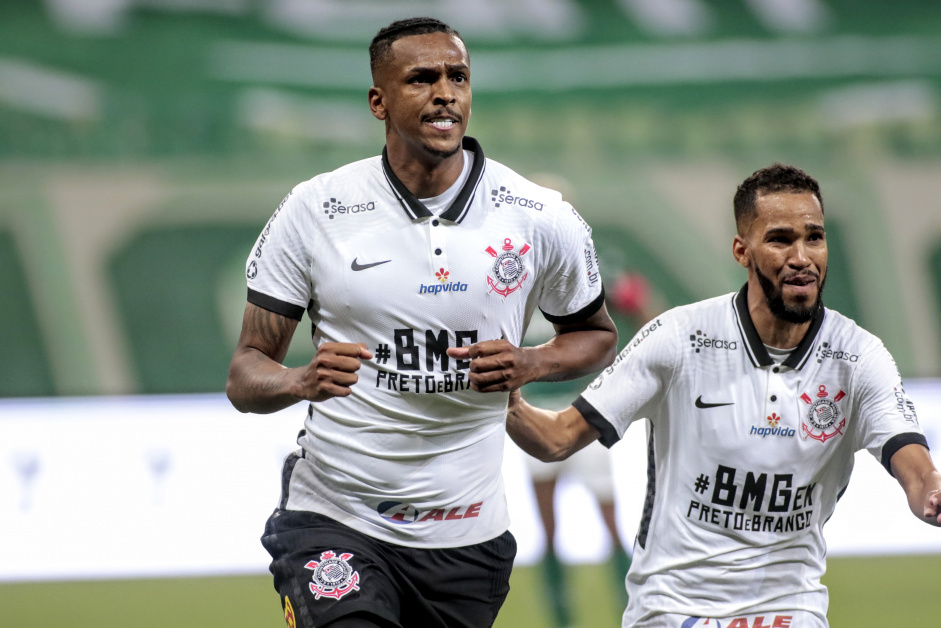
275,305
897,442
577,317
609,435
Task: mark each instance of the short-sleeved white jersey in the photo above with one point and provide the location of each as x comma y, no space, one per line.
414,455
746,457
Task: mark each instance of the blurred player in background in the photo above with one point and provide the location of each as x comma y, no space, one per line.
630,295
756,403
420,270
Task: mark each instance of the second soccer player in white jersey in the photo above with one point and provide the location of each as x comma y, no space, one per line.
755,403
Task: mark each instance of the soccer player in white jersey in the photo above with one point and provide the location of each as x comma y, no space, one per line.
419,270
755,404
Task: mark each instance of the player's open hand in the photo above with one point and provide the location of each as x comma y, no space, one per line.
496,365
332,371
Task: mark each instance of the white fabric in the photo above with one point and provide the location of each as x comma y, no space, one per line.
413,456
733,524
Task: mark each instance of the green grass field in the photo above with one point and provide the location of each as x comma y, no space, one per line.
883,592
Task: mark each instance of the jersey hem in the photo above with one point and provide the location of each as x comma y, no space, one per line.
275,305
897,442
609,435
584,313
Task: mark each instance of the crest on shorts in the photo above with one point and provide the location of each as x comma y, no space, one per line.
508,272
824,418
333,576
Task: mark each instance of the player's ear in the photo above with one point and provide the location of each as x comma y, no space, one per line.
377,102
740,251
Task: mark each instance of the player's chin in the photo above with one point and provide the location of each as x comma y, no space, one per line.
443,148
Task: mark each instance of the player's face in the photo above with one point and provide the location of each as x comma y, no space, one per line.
786,248
424,95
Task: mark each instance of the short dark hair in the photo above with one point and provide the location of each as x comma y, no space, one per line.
380,49
775,178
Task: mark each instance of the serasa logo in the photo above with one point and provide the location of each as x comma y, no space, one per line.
401,513
700,341
504,195
824,351
334,208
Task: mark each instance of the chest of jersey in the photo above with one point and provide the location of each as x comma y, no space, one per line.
759,448
416,287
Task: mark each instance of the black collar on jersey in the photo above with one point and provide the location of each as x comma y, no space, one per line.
756,348
458,209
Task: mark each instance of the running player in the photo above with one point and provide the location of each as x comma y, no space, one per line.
755,404
419,270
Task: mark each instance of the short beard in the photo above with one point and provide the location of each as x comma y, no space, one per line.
442,154
774,297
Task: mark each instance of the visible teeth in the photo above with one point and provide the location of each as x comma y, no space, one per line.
443,124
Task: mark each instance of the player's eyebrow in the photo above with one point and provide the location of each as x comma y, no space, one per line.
777,231
448,67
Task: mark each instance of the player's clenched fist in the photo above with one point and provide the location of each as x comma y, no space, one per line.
496,365
332,371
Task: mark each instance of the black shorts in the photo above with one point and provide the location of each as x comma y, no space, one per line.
324,570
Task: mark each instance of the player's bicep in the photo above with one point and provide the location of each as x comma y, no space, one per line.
266,331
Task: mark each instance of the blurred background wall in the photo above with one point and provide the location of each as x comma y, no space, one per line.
144,143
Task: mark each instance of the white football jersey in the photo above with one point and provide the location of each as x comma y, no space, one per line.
747,458
414,455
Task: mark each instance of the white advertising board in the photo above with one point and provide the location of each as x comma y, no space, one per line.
182,485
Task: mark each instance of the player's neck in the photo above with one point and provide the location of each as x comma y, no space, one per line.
772,330
425,175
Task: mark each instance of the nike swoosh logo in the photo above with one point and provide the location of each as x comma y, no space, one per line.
702,404
357,266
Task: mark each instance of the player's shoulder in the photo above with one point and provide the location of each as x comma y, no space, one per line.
353,178
841,335
508,189
712,312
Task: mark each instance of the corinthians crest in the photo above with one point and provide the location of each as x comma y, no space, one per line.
824,419
508,272
333,575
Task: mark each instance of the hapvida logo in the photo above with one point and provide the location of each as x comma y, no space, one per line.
443,286
772,429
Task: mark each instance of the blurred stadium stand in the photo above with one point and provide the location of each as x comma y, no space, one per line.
144,143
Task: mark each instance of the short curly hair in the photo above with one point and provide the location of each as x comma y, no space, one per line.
380,49
775,178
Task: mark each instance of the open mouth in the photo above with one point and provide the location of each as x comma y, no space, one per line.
800,281
442,123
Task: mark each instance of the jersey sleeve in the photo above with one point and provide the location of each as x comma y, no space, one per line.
634,384
572,291
887,415
278,267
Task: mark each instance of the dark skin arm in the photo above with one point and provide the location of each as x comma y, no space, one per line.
914,470
576,350
258,382
547,435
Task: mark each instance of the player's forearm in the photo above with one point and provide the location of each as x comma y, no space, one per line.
536,431
575,354
258,384
547,435
913,468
